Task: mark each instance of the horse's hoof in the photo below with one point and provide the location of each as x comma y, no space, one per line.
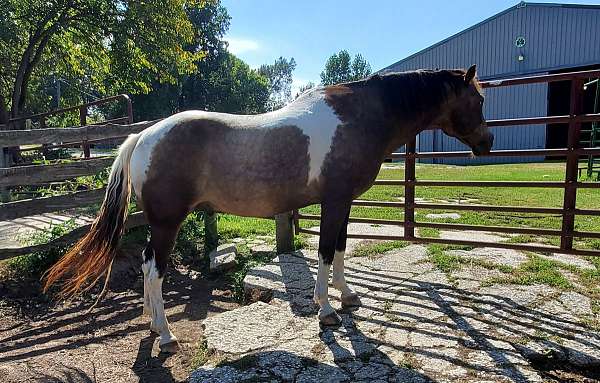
351,301
331,319
169,348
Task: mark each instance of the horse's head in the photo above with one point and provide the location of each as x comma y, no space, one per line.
462,115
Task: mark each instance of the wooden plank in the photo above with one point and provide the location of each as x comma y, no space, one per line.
42,205
40,174
134,220
83,133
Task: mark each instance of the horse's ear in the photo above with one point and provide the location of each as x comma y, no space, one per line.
470,75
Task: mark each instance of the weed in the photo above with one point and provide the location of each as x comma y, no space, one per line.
246,260
202,354
371,249
429,232
536,270
36,263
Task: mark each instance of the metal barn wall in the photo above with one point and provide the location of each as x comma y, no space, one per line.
557,37
515,102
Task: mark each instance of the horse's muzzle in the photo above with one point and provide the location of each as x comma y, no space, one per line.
484,145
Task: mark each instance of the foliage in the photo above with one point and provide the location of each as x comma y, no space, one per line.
451,262
536,270
279,75
341,68
246,260
36,263
220,81
304,88
92,46
371,249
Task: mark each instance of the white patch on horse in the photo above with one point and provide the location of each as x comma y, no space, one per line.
321,294
141,158
155,304
339,280
317,120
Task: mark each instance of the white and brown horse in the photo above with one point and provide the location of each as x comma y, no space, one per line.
325,147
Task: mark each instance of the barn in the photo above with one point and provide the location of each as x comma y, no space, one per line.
526,39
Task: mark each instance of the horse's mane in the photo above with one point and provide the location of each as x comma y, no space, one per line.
415,92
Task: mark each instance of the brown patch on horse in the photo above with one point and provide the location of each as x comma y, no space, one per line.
258,173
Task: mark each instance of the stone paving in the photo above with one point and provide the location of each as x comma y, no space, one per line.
14,233
416,324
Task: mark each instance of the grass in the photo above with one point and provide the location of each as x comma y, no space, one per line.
429,232
449,263
547,171
371,249
246,260
34,264
537,270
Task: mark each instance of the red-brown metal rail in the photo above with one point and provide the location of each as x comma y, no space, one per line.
570,185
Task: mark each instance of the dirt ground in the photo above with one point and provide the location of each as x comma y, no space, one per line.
44,342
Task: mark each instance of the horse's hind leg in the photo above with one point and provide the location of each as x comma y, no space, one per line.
156,257
348,297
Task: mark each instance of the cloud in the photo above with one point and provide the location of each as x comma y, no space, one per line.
241,45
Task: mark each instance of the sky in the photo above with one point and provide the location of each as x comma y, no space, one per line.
383,31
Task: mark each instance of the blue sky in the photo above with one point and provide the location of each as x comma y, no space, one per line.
383,31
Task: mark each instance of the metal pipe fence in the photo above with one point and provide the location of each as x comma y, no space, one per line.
568,211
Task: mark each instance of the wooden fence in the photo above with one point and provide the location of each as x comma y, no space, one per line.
29,175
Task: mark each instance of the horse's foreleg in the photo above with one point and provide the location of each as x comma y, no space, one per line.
156,257
348,297
332,219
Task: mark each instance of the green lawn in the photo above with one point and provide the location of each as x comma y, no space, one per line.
540,197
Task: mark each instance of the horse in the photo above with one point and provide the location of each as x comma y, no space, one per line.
326,147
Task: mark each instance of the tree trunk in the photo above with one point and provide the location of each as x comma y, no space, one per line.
3,112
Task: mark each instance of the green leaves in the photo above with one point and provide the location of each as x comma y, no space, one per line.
341,68
99,47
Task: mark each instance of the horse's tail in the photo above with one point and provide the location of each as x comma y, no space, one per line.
92,256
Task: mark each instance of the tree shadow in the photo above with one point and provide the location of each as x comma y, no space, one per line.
54,330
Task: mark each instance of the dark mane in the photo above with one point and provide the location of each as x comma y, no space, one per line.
410,94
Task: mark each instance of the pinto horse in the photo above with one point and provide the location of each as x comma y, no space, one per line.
325,147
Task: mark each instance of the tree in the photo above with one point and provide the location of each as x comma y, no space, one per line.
340,68
220,82
279,75
303,88
107,45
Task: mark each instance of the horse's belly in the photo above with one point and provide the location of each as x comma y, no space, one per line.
262,199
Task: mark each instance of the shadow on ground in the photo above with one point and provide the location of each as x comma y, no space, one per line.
42,342
414,325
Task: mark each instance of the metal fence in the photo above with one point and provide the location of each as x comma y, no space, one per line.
568,211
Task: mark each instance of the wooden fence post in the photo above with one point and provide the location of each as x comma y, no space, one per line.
284,232
4,163
83,122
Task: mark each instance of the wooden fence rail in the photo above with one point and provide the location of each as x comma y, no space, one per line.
48,138
33,206
42,174
76,134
